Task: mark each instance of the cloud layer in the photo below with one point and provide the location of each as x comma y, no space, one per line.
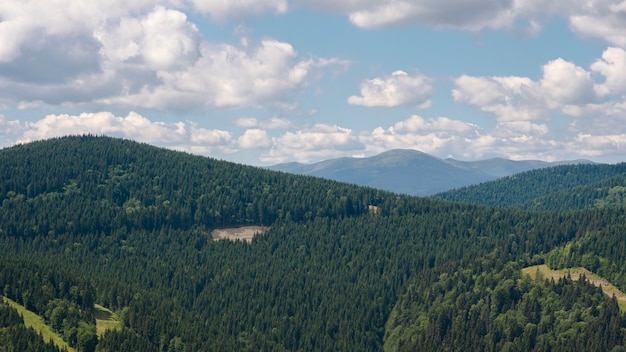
396,90
135,55
126,63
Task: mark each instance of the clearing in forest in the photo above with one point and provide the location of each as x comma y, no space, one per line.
245,233
32,320
575,273
105,320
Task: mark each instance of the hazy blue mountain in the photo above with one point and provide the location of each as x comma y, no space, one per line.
413,172
501,167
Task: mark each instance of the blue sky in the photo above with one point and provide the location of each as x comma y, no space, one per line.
262,82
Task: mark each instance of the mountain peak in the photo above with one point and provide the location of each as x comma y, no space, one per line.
412,171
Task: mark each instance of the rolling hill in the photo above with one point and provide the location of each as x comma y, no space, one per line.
413,172
561,188
90,222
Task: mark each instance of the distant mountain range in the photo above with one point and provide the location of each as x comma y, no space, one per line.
413,172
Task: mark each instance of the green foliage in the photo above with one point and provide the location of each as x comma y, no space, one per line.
499,310
560,188
15,336
602,251
126,225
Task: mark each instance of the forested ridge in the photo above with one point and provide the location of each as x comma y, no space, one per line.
559,188
89,220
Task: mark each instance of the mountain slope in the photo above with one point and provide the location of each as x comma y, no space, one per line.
562,188
87,220
412,172
399,171
500,167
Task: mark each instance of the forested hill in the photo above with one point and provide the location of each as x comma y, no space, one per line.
94,220
561,188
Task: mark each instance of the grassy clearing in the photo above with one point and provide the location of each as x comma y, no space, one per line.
543,271
105,320
36,322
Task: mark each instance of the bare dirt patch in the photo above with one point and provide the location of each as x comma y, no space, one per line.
244,233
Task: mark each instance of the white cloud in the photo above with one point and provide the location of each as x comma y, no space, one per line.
204,137
509,98
24,23
591,145
269,124
163,38
462,14
564,83
132,126
228,76
224,10
563,88
10,130
254,138
604,19
398,89
416,123
142,54
311,144
472,14
439,136
178,135
247,122
612,66
278,123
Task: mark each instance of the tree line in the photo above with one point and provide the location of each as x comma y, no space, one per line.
90,219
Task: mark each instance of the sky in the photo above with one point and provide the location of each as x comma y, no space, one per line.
263,82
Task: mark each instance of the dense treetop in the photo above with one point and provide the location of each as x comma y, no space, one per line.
559,188
87,220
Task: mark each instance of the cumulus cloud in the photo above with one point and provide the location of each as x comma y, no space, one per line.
612,66
161,39
563,87
473,15
270,124
564,83
25,24
10,130
509,98
247,122
254,138
318,142
178,135
398,89
223,10
228,76
142,54
604,19
439,136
